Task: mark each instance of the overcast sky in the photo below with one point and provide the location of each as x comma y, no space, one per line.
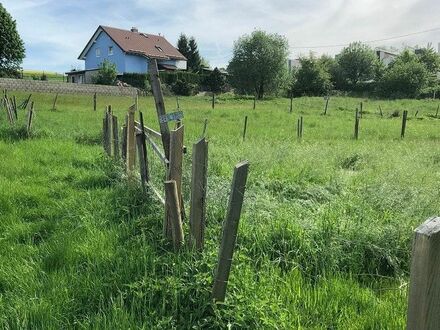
55,31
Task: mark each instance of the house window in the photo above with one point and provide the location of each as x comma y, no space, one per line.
159,49
110,50
98,52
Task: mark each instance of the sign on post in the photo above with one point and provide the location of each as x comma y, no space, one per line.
178,115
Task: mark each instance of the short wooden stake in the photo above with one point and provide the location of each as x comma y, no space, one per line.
361,109
144,148
177,103
245,127
106,134
230,229
54,106
402,132
173,207
14,103
356,125
94,102
124,142
255,101
380,109
291,104
302,127
417,112
205,125
115,129
29,119
198,192
213,100
131,143
326,105
436,113
424,286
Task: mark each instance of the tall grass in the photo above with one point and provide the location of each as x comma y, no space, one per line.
324,239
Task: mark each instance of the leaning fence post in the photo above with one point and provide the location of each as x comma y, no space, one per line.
54,106
230,229
245,127
205,125
131,146
30,117
198,192
436,113
172,204
380,109
424,286
405,115
326,104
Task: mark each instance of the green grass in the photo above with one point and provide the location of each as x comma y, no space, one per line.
324,239
51,76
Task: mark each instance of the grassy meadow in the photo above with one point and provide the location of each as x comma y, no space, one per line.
324,239
51,76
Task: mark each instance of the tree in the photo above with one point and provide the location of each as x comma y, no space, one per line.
182,45
357,64
258,63
312,78
194,59
215,81
12,50
106,73
407,76
430,58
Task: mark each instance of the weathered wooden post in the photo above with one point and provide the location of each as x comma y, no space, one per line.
205,125
327,98
29,119
94,102
417,112
115,136
131,143
356,125
245,127
54,106
173,207
230,228
14,103
124,140
213,100
424,285
361,107
160,105
302,127
177,103
198,192
402,132
144,147
255,101
436,113
380,109
106,133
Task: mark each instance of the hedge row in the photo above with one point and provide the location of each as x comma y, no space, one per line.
140,80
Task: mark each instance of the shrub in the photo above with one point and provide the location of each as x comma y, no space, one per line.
311,78
106,74
43,77
181,87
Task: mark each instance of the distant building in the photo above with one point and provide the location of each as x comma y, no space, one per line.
386,56
129,50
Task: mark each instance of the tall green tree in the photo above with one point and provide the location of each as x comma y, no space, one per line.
215,81
313,77
183,46
12,50
194,59
357,64
430,58
258,64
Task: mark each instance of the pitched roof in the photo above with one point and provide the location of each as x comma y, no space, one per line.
138,43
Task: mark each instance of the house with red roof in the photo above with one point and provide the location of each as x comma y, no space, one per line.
129,50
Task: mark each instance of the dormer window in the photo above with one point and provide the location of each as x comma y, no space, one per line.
159,49
110,50
98,52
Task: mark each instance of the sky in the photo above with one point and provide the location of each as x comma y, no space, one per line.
55,31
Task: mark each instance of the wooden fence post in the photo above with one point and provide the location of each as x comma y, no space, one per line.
115,129
302,127
131,143
362,109
436,113
402,132
29,119
124,141
291,103
380,109
255,101
173,207
356,125
230,229
245,127
94,102
424,286
54,106
144,148
213,100
205,125
417,112
106,136
160,105
326,105
198,192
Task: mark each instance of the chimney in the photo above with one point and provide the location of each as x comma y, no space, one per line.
134,29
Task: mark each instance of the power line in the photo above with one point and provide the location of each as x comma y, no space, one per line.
372,41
